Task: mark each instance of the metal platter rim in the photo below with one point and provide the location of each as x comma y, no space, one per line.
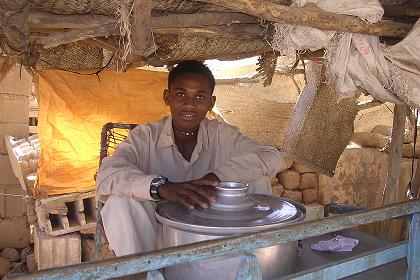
202,229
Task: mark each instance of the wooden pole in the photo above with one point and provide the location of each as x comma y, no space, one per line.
311,15
395,154
389,229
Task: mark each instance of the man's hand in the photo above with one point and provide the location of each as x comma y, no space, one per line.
196,192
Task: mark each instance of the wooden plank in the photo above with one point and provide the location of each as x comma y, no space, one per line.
353,265
311,15
249,268
136,263
413,258
395,154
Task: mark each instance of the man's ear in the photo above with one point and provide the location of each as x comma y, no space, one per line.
166,96
213,101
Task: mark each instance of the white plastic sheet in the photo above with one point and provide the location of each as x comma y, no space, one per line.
357,61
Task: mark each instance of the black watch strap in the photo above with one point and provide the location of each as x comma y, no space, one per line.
154,187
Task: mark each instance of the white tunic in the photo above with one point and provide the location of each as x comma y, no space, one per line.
124,178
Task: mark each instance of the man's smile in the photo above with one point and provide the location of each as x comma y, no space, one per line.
185,115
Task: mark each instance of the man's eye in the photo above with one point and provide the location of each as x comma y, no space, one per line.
180,94
200,97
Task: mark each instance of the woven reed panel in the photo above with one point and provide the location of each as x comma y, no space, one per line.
192,47
74,56
109,7
262,113
321,124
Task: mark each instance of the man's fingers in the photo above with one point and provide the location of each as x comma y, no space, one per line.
204,182
195,197
184,201
208,192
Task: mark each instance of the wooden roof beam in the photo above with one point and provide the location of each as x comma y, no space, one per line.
313,16
141,28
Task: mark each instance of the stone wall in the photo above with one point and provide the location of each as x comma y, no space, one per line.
359,180
15,89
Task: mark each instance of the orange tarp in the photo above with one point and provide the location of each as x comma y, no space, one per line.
72,111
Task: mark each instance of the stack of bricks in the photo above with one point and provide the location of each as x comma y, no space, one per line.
296,182
15,89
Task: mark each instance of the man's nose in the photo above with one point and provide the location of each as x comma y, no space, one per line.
189,101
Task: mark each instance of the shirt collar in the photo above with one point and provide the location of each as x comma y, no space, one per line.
166,137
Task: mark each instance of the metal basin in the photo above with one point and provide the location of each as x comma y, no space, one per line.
234,213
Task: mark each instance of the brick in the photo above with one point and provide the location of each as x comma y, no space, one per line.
308,181
17,81
5,266
7,176
88,251
14,232
314,212
14,108
11,254
63,214
11,206
309,196
289,179
54,251
292,195
31,263
277,189
287,164
17,130
300,168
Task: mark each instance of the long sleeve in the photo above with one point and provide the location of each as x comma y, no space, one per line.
249,159
120,173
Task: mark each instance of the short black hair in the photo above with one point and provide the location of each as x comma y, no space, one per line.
191,67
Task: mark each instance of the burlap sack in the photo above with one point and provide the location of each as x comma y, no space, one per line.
321,124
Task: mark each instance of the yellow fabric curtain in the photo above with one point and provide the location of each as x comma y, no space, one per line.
72,111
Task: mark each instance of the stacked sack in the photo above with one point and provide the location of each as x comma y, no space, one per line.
25,154
296,182
380,136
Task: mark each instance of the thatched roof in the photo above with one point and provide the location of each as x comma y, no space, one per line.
86,34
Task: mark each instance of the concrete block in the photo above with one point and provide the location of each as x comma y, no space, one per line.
7,176
14,232
314,212
14,108
54,251
63,214
17,130
17,81
10,205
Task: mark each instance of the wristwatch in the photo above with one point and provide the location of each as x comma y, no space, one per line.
154,187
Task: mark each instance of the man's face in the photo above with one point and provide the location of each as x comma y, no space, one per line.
189,98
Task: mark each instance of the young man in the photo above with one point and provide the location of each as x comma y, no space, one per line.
180,158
